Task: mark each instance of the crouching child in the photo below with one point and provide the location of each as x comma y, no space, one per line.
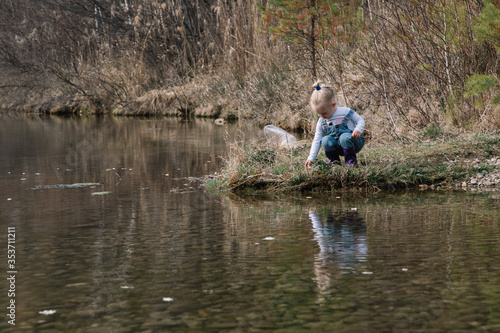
339,129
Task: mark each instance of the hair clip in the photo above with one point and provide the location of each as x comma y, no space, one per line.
317,87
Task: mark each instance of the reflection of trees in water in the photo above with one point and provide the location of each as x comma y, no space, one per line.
111,241
151,237
90,146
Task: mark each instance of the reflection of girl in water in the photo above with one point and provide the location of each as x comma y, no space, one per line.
342,243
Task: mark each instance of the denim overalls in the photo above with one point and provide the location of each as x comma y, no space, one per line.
337,137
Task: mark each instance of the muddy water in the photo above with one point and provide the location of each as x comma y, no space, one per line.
145,247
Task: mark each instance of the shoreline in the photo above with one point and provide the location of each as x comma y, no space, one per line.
456,163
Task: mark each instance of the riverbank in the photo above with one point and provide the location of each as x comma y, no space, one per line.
457,162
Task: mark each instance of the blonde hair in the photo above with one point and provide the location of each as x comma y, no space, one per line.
322,94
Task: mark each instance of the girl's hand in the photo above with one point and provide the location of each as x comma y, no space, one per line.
356,134
308,163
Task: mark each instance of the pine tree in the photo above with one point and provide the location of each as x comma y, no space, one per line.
309,24
487,30
488,27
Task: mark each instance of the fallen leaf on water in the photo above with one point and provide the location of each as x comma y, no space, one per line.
47,312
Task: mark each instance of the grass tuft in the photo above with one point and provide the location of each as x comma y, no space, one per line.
257,166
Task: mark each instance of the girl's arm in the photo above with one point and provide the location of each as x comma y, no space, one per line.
358,121
316,144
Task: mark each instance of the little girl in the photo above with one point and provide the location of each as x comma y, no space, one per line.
339,129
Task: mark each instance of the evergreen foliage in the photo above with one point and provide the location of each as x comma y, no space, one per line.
310,24
488,26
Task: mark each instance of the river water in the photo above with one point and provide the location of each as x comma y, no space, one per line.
148,249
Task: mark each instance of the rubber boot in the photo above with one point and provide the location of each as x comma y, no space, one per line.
350,157
333,157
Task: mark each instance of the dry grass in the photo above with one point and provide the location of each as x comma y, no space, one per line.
257,166
194,58
154,102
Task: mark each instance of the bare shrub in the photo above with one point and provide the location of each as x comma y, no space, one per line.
403,64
